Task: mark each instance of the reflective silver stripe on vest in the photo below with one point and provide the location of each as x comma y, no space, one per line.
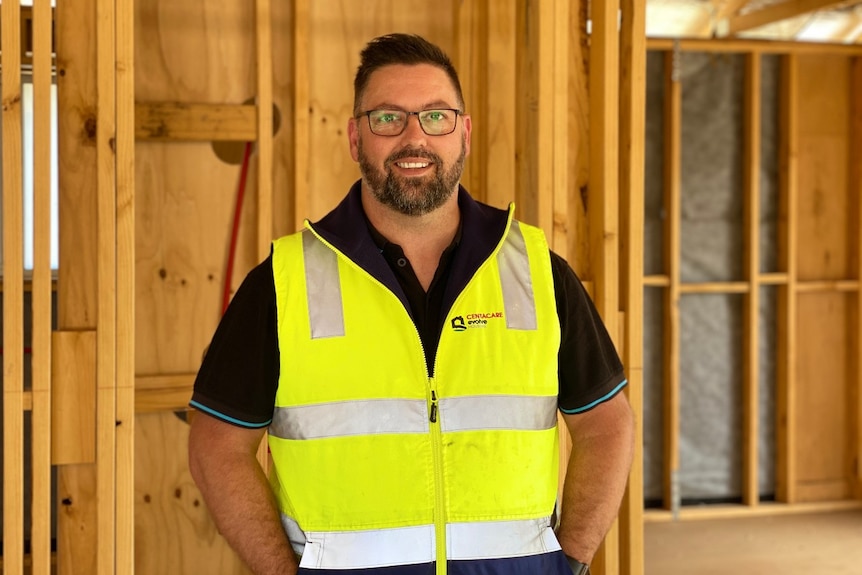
516,282
323,288
498,412
363,417
411,545
490,539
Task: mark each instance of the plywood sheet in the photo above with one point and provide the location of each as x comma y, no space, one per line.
185,202
823,386
824,217
175,532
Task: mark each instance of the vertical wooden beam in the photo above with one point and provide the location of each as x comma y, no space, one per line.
77,293
578,149
632,151
40,538
751,258
785,475
673,194
604,164
263,43
563,19
545,13
856,192
471,49
106,333
603,199
13,292
125,286
526,153
496,122
561,142
301,136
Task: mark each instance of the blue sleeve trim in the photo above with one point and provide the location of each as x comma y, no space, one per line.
602,399
227,418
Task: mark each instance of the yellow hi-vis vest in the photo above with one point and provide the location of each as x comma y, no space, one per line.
375,462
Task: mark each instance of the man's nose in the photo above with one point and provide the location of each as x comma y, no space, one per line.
413,129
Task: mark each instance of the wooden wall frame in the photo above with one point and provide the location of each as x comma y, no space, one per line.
787,280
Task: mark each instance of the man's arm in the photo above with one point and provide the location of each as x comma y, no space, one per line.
223,463
602,451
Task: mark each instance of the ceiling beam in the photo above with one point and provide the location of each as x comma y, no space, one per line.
719,10
776,13
853,32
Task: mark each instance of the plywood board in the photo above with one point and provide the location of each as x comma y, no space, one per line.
183,219
824,217
823,391
176,533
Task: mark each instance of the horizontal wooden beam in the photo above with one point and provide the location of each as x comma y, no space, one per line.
735,45
163,392
174,121
776,13
707,512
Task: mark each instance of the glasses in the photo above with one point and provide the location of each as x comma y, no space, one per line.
394,122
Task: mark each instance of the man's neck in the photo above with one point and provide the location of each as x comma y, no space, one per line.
423,238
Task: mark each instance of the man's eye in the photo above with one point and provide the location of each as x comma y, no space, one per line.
387,118
435,116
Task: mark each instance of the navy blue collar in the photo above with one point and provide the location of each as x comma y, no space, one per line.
482,227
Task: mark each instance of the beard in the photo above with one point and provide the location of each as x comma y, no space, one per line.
412,196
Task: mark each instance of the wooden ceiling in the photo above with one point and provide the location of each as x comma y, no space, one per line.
788,20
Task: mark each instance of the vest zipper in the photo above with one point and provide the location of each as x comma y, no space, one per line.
433,407
440,502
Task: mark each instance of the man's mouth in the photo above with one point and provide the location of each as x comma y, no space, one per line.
412,165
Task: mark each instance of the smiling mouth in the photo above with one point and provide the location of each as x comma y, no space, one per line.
412,165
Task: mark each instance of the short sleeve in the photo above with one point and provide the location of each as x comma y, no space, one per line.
590,370
238,377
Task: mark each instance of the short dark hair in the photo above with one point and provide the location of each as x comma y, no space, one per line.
409,49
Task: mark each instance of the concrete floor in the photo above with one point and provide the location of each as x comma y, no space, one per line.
826,543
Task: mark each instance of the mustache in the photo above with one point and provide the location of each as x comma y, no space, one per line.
413,153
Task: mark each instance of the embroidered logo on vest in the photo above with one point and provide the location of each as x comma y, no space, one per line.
474,320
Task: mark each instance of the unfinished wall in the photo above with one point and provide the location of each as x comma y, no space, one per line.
770,184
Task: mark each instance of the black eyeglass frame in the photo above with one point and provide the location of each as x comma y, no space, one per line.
368,113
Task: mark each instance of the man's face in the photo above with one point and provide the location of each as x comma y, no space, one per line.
412,173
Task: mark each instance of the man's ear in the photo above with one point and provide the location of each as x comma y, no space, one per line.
353,138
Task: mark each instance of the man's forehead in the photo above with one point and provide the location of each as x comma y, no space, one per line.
428,83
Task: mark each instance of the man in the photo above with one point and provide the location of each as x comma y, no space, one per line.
408,354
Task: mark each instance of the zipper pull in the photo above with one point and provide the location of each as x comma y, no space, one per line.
433,407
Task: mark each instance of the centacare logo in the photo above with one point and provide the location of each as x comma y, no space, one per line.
473,320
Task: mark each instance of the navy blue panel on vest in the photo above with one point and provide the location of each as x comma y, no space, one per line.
553,563
417,569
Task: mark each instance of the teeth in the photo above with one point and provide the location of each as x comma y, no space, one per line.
412,164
